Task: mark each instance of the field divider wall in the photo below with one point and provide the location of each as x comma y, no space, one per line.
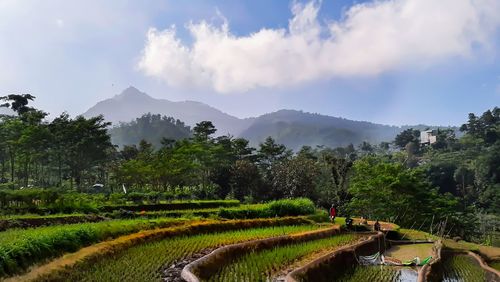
428,272
208,265
333,264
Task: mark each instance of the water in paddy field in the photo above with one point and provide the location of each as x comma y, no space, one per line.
380,273
463,268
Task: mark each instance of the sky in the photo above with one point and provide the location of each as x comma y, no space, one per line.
387,61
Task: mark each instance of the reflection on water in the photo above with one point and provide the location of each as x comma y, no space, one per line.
380,273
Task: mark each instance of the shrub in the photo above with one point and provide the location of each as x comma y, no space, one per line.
292,207
280,208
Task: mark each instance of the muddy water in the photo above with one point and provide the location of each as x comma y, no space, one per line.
380,273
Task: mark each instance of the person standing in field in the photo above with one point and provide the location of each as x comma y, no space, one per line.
333,213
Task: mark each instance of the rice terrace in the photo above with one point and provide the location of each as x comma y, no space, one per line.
250,140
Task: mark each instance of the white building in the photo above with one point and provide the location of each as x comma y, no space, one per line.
427,137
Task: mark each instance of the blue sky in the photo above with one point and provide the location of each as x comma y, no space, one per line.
393,62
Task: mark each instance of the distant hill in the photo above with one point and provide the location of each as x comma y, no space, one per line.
132,103
290,127
296,128
152,128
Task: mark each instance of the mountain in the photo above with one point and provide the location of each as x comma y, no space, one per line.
132,104
290,127
296,128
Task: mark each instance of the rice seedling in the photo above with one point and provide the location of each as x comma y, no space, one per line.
495,265
462,267
260,266
20,248
144,262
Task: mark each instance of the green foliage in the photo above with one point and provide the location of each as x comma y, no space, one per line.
385,190
280,208
408,136
153,128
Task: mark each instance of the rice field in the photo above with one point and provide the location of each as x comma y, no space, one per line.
144,262
20,248
261,266
495,265
379,273
462,267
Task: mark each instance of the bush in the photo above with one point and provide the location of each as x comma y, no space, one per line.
280,208
193,205
292,207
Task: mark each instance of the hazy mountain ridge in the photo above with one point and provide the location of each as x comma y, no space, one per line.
297,128
132,103
290,127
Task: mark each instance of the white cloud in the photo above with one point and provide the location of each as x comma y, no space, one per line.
370,39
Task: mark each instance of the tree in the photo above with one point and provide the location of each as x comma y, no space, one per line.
17,102
203,130
245,180
269,153
294,178
406,137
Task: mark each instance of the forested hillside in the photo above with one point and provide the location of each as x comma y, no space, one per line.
151,128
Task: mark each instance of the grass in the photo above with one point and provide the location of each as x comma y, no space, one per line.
261,266
144,262
462,267
412,234
28,216
20,248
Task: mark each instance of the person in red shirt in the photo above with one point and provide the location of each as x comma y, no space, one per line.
333,213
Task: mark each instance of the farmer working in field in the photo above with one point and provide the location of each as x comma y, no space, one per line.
376,226
333,213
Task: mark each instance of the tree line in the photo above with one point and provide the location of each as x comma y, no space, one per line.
454,180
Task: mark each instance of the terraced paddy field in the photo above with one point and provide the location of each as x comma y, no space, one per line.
379,273
409,251
146,261
266,265
495,265
462,267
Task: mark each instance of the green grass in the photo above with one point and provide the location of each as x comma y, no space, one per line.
27,216
20,248
378,273
462,267
144,262
413,234
260,266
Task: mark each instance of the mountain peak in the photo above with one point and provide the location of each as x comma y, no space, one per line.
131,93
